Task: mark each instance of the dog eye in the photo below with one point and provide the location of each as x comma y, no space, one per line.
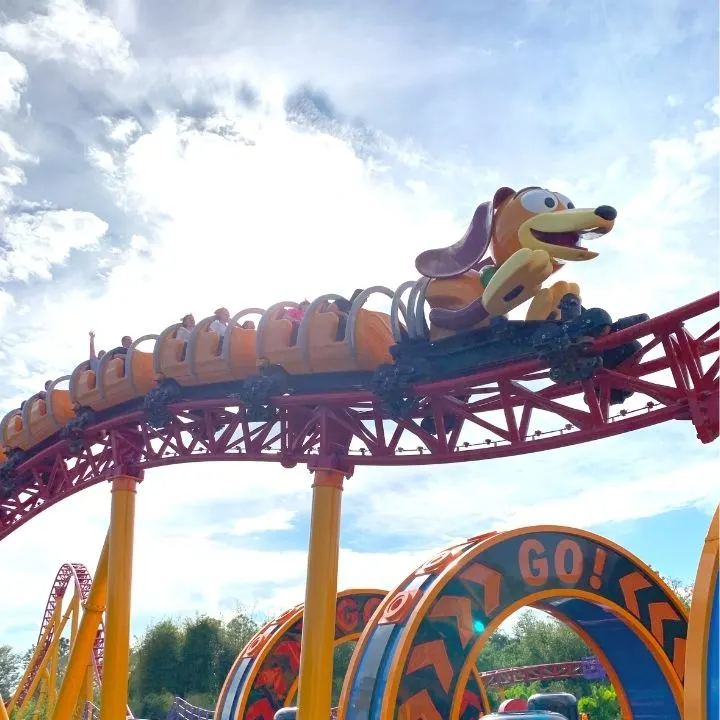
566,201
538,201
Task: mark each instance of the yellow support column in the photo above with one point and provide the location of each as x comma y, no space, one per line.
318,633
59,624
86,695
75,620
45,671
89,691
85,639
3,711
114,691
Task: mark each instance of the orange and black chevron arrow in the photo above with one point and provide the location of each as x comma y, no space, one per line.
460,608
678,659
490,579
630,585
659,613
419,707
433,653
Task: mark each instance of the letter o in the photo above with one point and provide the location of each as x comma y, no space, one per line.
576,569
370,607
533,568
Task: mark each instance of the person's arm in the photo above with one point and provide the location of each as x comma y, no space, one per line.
93,355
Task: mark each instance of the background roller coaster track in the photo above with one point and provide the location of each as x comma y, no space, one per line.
588,668
73,576
351,428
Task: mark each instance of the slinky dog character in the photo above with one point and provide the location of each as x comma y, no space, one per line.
531,233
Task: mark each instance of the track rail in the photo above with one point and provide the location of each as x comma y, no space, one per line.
77,577
587,668
507,410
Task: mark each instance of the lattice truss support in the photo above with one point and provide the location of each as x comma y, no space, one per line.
40,683
588,668
504,411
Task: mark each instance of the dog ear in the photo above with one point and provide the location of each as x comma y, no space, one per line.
457,259
465,254
503,194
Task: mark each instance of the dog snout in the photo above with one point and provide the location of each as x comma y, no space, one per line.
606,212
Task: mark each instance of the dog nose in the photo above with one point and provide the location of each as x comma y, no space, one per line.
606,212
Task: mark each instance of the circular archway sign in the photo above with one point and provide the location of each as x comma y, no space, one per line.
415,663
264,677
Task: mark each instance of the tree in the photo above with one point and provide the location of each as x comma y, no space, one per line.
601,703
190,659
341,663
155,663
534,640
544,640
10,667
683,590
236,634
199,671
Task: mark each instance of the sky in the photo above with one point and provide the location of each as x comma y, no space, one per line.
164,158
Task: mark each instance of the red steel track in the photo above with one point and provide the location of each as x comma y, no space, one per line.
495,413
533,673
77,577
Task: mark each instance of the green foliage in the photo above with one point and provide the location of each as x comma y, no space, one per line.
683,590
534,640
10,671
189,659
520,690
156,705
199,661
601,703
156,660
341,662
202,700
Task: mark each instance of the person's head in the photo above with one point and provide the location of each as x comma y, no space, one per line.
48,383
305,304
188,321
101,354
222,314
126,341
248,325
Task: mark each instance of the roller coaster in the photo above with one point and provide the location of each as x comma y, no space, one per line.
444,376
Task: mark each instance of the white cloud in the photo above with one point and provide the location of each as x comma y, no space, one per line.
236,219
264,522
69,31
37,241
12,85
122,131
573,486
123,14
13,77
6,301
11,151
178,559
664,241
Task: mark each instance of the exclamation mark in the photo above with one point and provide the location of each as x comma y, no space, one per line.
598,567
